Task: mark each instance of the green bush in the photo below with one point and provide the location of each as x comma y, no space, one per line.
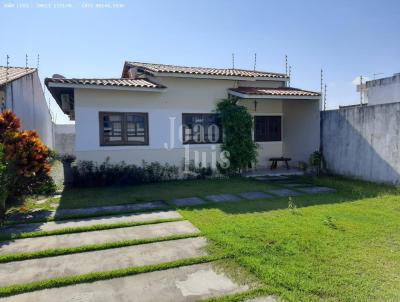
89,174
237,124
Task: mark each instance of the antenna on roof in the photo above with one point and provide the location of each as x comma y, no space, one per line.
290,73
26,61
325,97
378,73
322,80
7,67
321,89
255,61
233,61
38,61
286,65
361,90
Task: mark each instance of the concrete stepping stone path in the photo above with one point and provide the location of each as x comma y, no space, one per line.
263,299
97,237
255,195
189,201
284,192
294,185
316,190
38,215
223,198
84,222
182,284
19,272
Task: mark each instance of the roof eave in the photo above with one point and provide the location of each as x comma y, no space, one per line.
286,97
105,87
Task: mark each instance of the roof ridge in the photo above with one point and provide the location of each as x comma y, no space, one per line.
18,67
202,67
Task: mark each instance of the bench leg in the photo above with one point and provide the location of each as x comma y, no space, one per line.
287,164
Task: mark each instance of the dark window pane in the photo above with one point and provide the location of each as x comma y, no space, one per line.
267,128
123,128
201,128
112,128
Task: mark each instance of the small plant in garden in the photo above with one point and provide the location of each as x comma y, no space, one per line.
328,221
237,124
292,206
316,161
198,172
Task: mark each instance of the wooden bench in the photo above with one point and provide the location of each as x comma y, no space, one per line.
274,160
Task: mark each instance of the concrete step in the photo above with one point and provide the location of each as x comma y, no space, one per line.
20,272
97,237
59,213
186,283
84,222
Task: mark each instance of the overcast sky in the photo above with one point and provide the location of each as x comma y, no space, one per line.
345,38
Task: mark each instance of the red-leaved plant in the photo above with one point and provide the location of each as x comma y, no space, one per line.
25,154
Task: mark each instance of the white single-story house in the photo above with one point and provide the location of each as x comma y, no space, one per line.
22,93
152,112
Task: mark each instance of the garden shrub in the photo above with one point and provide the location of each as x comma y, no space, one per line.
237,124
198,172
89,174
27,159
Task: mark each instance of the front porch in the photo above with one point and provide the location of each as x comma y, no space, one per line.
286,124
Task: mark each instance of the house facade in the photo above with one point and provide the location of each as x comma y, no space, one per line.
166,113
21,92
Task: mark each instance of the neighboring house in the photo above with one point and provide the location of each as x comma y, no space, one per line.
21,91
138,116
381,91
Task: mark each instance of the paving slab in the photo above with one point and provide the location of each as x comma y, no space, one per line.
284,192
294,185
182,284
20,272
189,201
272,178
263,299
316,190
84,222
255,195
59,213
97,237
223,198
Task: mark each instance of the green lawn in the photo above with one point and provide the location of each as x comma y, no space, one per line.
342,246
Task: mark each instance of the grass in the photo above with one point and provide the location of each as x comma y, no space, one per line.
342,246
97,276
82,229
88,248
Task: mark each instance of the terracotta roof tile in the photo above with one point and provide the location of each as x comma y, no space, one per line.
13,73
162,68
283,91
136,83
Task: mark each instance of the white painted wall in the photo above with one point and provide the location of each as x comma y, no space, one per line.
64,138
383,91
25,98
301,129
